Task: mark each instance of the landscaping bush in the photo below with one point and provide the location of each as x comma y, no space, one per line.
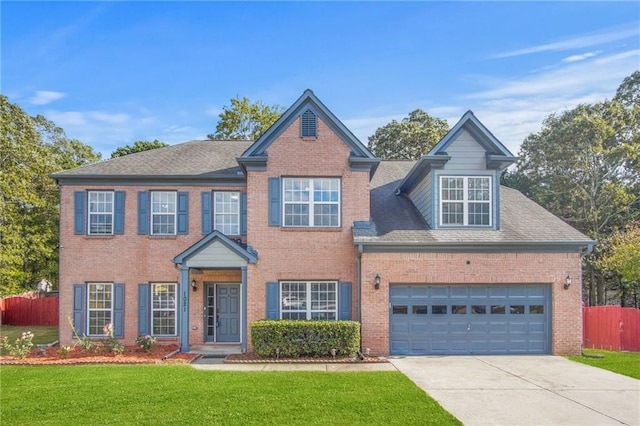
301,338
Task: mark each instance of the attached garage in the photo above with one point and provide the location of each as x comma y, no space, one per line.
470,319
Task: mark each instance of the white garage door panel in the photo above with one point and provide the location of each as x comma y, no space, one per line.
461,319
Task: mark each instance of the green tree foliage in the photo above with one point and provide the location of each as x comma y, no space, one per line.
138,146
409,139
582,166
245,120
621,255
30,149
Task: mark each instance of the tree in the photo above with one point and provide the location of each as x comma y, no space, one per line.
245,120
31,148
582,166
621,254
138,146
409,139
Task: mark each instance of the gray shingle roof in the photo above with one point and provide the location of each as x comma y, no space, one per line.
189,159
397,221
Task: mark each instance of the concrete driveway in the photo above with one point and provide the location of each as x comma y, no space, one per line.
525,390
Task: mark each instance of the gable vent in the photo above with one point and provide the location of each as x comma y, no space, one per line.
308,125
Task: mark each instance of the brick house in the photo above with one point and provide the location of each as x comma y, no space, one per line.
193,242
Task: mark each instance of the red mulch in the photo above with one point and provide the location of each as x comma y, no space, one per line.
132,355
251,357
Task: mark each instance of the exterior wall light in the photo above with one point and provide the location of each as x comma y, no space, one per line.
567,282
194,285
377,282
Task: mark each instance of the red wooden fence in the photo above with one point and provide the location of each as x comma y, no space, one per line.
27,311
611,327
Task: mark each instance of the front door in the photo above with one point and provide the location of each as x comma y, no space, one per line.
222,307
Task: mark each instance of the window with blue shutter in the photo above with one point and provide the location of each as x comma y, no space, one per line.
344,301
308,124
144,309
273,300
79,208
183,213
143,212
274,201
207,218
78,309
118,221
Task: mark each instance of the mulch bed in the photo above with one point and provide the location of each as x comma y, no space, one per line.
162,354
252,358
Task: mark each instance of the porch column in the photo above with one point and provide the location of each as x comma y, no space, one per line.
243,337
184,309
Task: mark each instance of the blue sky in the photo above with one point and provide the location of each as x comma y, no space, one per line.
111,73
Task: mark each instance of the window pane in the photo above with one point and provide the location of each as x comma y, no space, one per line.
99,304
100,213
315,300
478,213
399,309
536,309
311,202
227,212
164,309
478,309
458,309
439,309
163,209
452,213
419,309
497,309
517,309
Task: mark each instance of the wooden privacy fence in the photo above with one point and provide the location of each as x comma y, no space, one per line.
26,311
611,328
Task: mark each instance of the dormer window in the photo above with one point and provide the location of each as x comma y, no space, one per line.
308,124
465,201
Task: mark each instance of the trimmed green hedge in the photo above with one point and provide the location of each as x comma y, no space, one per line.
301,338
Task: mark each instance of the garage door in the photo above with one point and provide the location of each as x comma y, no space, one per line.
479,319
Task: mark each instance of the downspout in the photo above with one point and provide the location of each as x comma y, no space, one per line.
359,284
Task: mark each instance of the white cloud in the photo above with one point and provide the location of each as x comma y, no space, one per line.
575,58
578,42
213,111
43,97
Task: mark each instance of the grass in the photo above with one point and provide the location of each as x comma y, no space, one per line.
627,363
41,334
169,394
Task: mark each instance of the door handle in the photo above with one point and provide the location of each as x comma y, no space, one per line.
469,327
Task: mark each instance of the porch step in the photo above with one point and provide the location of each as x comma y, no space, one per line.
216,350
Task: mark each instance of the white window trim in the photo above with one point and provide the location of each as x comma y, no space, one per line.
465,201
311,203
175,213
89,309
309,311
215,211
90,213
174,310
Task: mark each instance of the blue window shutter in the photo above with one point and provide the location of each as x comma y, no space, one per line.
273,300
183,213
144,309
78,308
243,213
344,301
118,221
118,311
79,209
207,218
143,212
274,201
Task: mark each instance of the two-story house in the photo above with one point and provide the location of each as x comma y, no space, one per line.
192,242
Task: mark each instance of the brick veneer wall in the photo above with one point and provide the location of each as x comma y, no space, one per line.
303,254
473,268
129,258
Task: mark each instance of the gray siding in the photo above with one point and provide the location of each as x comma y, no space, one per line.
467,156
421,196
216,255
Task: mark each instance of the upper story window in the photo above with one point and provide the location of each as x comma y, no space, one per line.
100,213
227,212
311,202
308,124
308,300
465,201
163,213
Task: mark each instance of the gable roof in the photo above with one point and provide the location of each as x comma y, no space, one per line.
496,154
395,221
239,248
257,153
194,160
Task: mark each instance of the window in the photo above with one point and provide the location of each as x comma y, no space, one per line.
311,300
100,212
311,202
100,307
308,125
465,201
163,213
227,212
163,307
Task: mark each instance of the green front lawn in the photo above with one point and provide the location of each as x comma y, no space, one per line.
41,334
151,394
627,363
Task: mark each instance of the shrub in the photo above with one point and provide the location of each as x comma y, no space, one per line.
22,346
300,338
110,343
147,343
